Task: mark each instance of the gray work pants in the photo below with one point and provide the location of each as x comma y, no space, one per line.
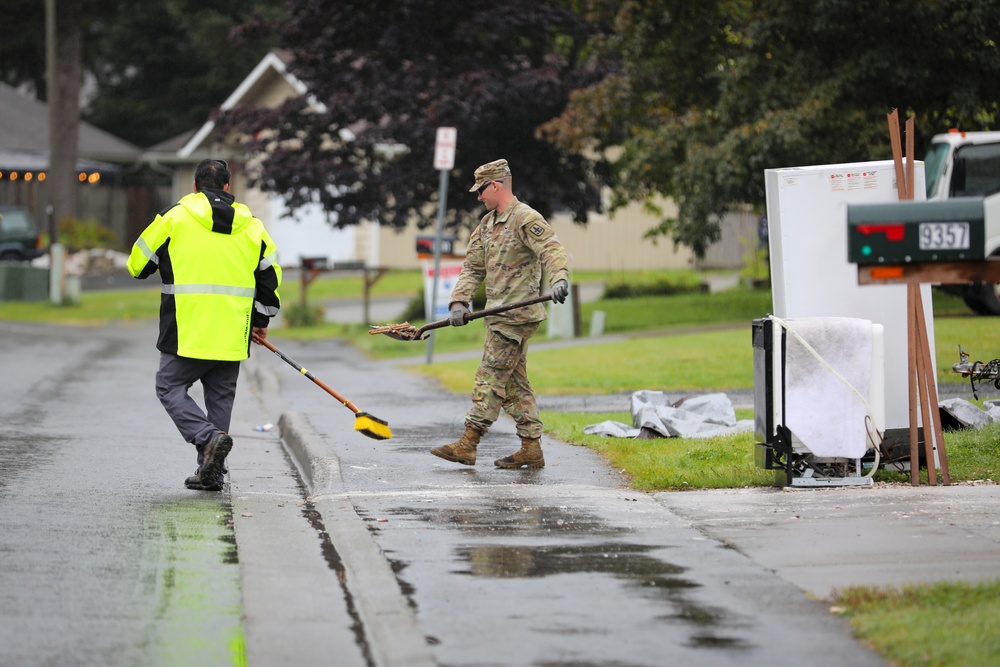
218,380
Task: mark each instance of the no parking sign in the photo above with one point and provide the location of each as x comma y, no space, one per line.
445,142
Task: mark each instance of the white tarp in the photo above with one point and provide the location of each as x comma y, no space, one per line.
653,414
968,415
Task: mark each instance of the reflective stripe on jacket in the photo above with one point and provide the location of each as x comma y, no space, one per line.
219,271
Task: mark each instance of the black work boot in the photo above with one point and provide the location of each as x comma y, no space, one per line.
201,459
210,474
195,483
462,450
529,455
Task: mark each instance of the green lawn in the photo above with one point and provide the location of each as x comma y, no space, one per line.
944,625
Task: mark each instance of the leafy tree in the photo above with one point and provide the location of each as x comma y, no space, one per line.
784,83
162,67
22,51
159,68
386,73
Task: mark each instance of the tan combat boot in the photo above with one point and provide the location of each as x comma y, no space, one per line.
462,450
529,455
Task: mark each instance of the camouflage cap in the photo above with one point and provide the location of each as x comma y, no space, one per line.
491,171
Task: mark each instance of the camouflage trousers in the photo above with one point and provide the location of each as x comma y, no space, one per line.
502,380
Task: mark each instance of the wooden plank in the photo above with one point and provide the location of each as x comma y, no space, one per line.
923,399
930,389
911,350
912,292
909,159
897,154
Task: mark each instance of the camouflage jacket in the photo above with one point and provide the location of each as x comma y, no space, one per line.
508,251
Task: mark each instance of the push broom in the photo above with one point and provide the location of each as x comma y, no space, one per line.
364,423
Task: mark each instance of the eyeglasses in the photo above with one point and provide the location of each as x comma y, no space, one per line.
483,187
225,165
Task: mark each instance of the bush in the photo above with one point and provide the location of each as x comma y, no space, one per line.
76,235
297,315
681,284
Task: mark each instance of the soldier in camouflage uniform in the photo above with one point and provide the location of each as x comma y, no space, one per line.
508,250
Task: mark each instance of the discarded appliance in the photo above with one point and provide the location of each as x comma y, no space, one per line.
819,390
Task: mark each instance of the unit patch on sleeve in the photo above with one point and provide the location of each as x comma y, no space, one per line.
538,231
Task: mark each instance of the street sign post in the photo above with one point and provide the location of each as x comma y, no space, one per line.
445,143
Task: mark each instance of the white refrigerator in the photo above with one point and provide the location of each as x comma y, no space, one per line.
810,273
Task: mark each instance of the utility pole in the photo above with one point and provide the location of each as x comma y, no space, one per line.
63,54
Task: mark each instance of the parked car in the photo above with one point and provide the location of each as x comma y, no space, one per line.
19,237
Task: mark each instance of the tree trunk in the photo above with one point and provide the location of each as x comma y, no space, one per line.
64,48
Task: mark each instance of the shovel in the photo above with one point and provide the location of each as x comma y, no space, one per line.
408,332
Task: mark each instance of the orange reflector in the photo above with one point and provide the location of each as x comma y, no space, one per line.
887,272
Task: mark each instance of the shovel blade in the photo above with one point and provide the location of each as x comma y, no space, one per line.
398,333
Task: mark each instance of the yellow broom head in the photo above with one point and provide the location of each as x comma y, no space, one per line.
373,427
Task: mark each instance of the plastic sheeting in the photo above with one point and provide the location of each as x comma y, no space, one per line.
958,413
654,415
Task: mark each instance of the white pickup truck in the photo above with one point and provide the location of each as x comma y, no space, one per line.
967,164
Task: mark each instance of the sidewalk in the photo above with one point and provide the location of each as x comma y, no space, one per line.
526,553
822,540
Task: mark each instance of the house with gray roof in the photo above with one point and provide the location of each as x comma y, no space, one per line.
104,160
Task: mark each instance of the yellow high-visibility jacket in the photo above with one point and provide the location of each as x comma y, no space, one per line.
219,271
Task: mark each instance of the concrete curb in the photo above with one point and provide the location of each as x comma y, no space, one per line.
390,624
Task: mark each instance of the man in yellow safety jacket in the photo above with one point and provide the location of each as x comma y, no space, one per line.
220,280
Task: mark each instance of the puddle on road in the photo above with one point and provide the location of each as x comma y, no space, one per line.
650,577
510,519
630,563
619,559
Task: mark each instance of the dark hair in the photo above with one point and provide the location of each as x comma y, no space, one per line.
211,174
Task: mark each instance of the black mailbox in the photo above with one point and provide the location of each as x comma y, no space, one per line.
425,245
314,263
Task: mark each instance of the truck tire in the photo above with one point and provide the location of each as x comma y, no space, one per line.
983,298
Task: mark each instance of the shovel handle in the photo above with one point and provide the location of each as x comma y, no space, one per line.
509,306
487,312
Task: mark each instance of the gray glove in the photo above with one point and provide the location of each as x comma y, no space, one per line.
457,314
560,290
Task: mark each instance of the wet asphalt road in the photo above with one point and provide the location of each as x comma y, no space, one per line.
105,559
379,554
